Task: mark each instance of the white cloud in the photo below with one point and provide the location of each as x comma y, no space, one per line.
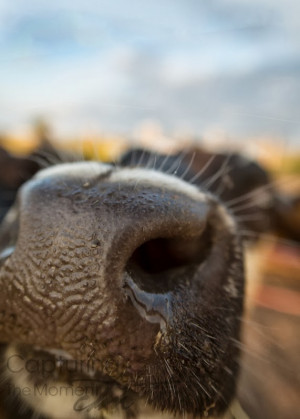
187,63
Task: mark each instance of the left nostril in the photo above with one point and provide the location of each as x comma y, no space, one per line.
162,264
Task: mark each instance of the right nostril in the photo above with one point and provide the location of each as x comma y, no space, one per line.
161,264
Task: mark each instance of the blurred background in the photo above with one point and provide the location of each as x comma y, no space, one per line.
218,70
100,76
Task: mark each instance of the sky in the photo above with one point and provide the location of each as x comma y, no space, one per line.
192,66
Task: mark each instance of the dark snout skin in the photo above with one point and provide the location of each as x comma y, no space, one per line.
99,268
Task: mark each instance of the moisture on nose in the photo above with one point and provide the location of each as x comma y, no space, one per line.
164,236
151,234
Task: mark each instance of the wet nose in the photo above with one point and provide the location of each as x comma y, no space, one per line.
140,237
165,234
163,255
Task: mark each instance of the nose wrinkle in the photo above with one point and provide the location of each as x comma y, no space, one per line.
155,308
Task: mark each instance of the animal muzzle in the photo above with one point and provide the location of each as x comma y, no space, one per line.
122,266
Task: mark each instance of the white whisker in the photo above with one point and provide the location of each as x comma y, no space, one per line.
203,170
175,166
272,239
189,166
218,174
141,158
258,190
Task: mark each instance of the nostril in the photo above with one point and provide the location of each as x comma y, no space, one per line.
161,264
162,254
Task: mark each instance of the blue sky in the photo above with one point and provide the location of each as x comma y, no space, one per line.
192,65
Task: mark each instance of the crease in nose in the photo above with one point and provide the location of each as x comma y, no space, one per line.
155,308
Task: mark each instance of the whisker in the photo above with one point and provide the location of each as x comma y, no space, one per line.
152,159
203,330
175,166
132,158
165,160
262,330
189,166
53,159
200,384
203,170
258,190
242,207
249,369
271,238
250,194
139,163
218,174
149,162
245,349
222,184
154,163
42,162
